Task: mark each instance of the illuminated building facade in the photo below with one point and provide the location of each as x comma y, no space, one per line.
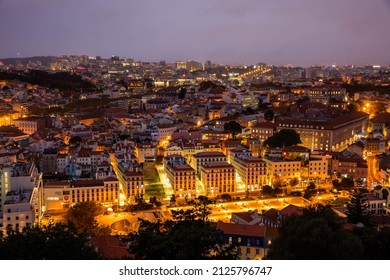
200,159
180,175
63,195
326,134
218,178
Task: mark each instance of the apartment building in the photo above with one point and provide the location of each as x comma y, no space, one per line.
218,178
31,125
263,130
64,194
145,151
325,94
163,132
20,209
327,134
180,175
200,159
252,171
279,170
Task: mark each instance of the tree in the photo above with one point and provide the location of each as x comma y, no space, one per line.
269,115
83,214
153,200
302,100
205,85
272,191
376,242
293,182
357,208
336,184
310,191
352,107
315,235
182,93
346,184
141,204
233,127
52,242
226,197
268,190
187,237
284,138
75,139
249,111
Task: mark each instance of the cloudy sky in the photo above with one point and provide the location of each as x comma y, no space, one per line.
299,32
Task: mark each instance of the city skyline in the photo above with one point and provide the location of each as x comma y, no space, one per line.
275,32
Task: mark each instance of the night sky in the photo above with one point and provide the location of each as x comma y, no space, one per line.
299,32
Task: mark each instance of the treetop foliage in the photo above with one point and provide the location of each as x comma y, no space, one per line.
52,242
283,138
188,236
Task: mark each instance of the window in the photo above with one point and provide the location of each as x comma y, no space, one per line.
257,251
248,250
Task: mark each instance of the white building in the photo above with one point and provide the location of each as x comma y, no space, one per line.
21,209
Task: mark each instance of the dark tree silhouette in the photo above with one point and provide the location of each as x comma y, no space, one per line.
283,138
357,208
52,242
310,191
189,236
315,235
83,214
233,127
269,115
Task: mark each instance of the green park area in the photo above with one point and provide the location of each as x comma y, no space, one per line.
153,185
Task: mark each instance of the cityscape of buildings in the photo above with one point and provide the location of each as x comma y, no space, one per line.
168,131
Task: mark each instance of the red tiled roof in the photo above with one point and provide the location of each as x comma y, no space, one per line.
218,164
290,210
271,214
86,183
246,216
111,247
296,148
264,125
381,118
245,230
110,179
209,154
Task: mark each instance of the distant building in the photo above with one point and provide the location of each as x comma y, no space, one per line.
31,125
145,151
49,161
263,130
325,94
327,134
